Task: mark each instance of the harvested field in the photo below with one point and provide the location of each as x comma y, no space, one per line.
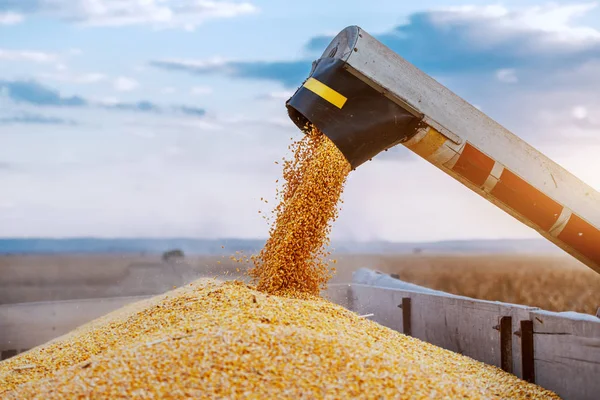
552,282
219,340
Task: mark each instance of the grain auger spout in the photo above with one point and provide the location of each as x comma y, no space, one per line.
366,99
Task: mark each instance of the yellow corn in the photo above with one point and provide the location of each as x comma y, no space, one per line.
228,340
293,261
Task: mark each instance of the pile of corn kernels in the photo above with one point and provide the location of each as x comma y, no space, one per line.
228,340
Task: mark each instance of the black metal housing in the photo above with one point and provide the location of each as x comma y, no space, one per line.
367,124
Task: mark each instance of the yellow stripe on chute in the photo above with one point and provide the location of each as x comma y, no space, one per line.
324,91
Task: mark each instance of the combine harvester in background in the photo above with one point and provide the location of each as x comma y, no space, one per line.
367,99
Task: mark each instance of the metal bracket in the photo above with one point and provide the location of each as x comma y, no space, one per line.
406,316
506,357
527,352
6,354
445,132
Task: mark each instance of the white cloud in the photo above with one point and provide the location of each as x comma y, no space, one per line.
10,18
157,158
554,20
124,84
69,77
27,55
580,112
107,101
168,90
214,63
280,95
288,72
508,75
201,90
6,204
173,151
159,13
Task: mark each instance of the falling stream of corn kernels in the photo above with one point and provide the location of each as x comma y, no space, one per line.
293,260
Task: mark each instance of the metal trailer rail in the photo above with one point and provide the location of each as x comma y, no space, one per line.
558,351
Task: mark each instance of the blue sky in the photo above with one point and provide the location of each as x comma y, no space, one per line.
124,118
